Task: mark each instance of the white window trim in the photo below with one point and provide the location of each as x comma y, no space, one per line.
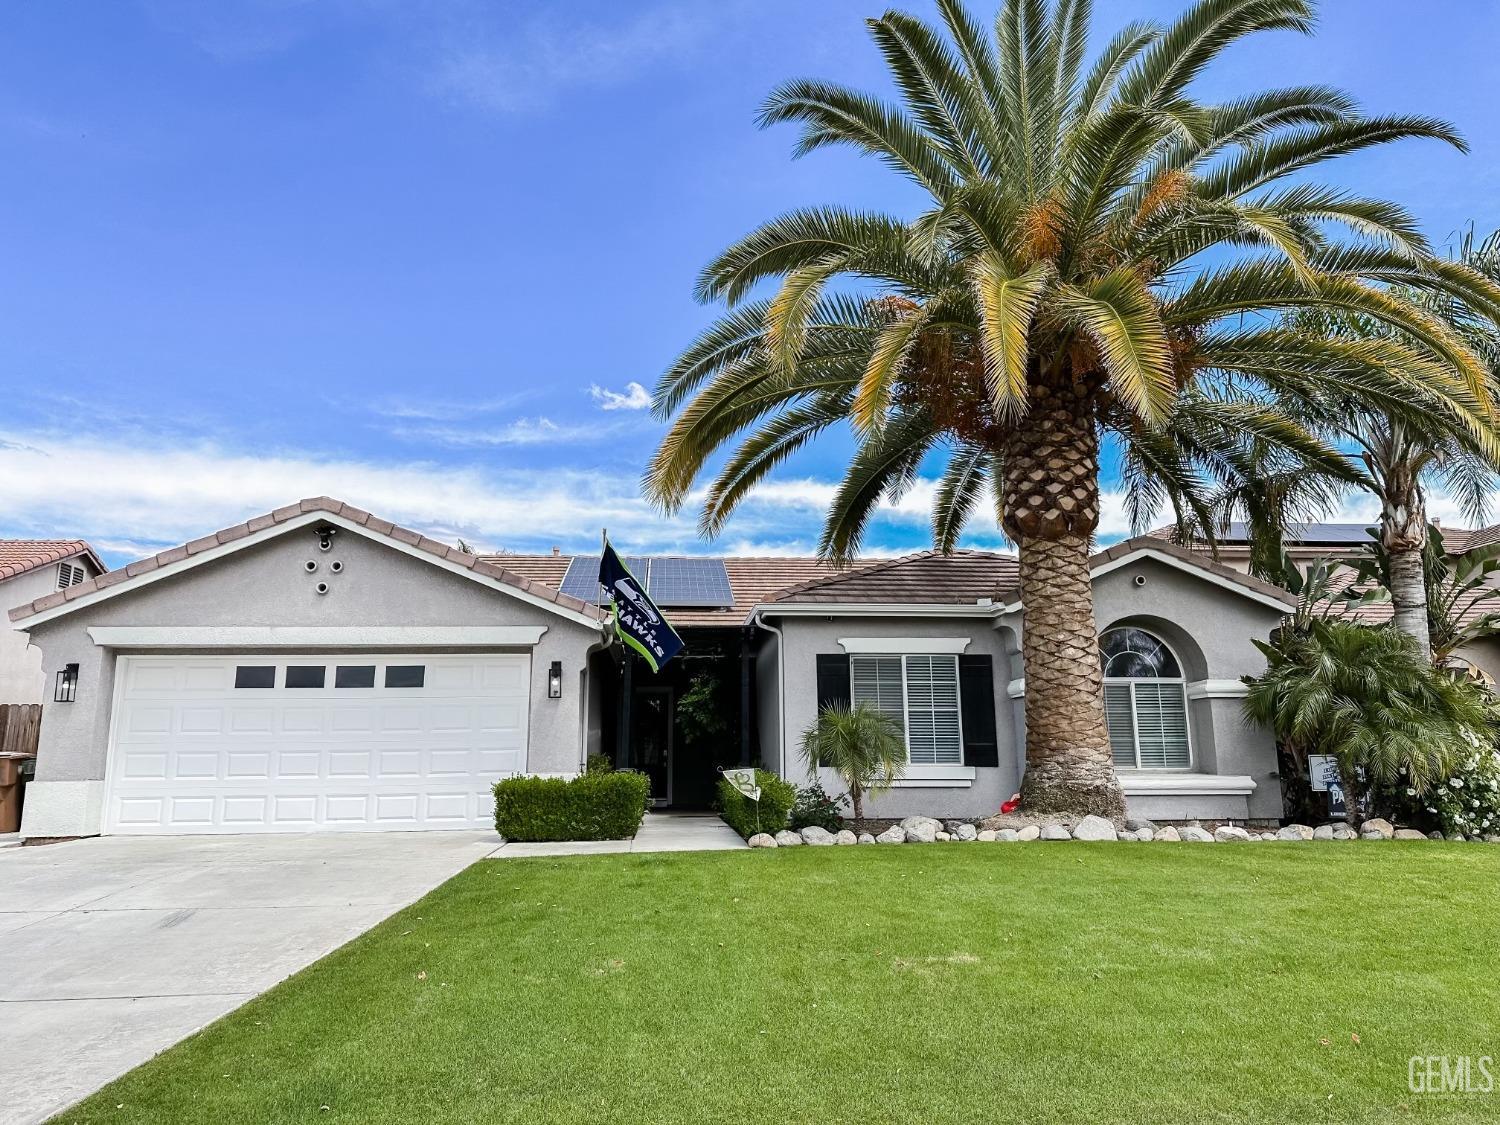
901,646
936,776
1166,783
1217,689
917,780
1135,724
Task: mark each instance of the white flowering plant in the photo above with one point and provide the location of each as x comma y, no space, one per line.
1468,802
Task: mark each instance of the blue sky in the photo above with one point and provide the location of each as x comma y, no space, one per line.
414,253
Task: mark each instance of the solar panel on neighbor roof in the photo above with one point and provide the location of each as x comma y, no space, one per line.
683,583
1311,534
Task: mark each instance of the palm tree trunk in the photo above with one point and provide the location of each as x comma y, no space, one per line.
1050,509
1403,533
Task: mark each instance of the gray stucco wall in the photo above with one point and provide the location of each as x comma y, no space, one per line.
806,637
1209,627
21,678
266,584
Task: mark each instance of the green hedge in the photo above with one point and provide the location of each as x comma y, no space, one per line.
740,813
594,806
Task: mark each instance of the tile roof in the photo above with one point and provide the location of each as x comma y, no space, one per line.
973,577
259,524
752,580
924,578
18,556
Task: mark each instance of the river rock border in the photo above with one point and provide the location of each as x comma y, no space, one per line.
1092,829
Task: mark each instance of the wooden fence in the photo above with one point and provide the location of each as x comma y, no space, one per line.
20,726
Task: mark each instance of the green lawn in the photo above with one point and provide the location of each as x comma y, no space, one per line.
944,983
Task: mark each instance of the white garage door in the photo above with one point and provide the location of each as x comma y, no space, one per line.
314,743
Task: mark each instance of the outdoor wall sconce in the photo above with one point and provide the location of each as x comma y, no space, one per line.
67,684
554,680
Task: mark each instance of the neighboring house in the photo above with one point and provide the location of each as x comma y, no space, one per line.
1308,542
318,668
30,569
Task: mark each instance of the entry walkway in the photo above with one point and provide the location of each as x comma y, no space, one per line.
660,832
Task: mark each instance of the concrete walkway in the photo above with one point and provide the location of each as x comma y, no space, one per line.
660,832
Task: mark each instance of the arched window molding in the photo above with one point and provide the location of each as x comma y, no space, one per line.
1145,701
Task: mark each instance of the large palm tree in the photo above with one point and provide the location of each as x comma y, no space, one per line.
1101,268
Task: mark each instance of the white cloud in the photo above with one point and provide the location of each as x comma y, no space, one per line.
133,499
635,397
530,65
522,431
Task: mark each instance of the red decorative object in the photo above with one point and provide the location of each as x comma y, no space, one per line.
1011,805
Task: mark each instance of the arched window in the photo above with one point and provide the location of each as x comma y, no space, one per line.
1145,701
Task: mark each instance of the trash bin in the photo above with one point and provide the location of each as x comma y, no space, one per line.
14,769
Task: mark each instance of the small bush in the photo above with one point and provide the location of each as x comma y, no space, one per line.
598,763
814,808
748,817
599,805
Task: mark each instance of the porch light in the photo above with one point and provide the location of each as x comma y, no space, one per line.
554,680
67,684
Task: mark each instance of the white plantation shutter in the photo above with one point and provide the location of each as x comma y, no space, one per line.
876,680
1161,725
933,735
1119,716
919,692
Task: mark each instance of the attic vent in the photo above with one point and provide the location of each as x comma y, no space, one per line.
68,575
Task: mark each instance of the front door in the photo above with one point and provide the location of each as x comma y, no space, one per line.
651,739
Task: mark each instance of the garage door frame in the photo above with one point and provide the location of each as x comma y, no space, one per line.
123,661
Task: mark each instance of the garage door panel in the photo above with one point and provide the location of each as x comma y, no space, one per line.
192,754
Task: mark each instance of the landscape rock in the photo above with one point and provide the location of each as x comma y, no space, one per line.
1030,832
920,829
1146,835
985,837
1231,833
1269,836
1055,832
966,832
1007,836
866,838
845,837
1344,832
762,840
942,837
818,837
1295,832
1093,828
1377,829
1435,835
1169,834
1492,839
895,834
787,839
1323,832
1194,834
1410,834
1136,823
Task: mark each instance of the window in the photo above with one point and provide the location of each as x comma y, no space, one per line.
68,575
354,676
305,675
920,693
405,675
253,676
1145,702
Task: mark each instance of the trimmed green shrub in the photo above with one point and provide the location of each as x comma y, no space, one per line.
814,808
594,806
743,815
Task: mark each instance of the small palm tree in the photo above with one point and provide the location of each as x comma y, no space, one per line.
1100,266
1461,601
1372,699
865,747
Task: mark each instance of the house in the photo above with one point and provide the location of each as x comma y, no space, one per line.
30,569
318,668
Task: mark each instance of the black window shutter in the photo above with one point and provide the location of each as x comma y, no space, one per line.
833,679
976,695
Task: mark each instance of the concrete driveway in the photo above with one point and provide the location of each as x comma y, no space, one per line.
115,948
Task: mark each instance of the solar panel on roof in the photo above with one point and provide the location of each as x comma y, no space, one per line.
680,583
699,583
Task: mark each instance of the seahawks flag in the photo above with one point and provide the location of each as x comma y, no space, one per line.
637,619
